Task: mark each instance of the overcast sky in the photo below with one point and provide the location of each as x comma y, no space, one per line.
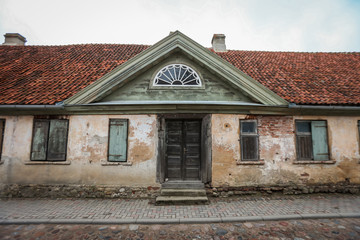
274,25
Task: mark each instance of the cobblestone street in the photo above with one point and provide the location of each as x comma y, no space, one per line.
293,229
321,216
142,211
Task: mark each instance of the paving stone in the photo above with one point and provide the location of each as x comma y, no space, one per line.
133,227
221,232
248,225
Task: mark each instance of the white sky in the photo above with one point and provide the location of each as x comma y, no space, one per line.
274,25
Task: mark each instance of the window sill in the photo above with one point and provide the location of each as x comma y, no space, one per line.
315,162
106,163
259,162
47,163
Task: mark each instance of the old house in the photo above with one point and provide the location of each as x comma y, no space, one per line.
113,120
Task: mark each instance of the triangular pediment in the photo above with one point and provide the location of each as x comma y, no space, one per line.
134,77
210,87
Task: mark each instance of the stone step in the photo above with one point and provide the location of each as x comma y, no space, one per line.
181,200
183,184
182,192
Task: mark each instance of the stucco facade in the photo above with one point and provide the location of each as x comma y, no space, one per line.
86,161
87,149
277,144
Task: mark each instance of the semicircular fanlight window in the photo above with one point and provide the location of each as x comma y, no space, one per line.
177,75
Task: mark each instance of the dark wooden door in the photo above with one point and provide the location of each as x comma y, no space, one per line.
183,147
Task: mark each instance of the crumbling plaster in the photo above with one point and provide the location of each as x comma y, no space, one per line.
277,150
86,153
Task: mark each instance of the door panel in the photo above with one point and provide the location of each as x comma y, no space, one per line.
183,141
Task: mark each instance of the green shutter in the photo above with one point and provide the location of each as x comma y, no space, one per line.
118,140
39,141
319,139
57,140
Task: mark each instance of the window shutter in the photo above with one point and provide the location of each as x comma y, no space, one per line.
319,139
249,140
39,141
118,140
249,150
304,147
57,140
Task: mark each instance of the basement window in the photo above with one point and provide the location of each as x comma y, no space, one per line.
49,142
118,136
249,140
178,75
312,141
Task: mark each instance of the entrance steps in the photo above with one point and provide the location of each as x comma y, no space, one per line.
182,194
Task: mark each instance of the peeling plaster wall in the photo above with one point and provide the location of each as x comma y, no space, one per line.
86,153
277,150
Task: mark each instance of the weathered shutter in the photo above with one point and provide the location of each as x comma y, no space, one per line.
319,139
2,129
39,141
118,140
57,140
304,147
249,150
249,141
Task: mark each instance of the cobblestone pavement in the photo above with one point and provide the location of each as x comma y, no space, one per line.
346,228
142,211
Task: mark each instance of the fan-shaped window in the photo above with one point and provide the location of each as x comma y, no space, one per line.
177,75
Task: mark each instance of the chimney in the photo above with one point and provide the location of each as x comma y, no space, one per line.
14,39
218,43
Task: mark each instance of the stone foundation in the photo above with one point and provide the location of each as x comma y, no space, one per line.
84,191
227,191
76,191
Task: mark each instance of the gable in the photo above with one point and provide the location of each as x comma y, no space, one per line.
175,42
213,87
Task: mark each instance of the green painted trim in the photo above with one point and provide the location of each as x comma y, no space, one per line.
174,42
181,108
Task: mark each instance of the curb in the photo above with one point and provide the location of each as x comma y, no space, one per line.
179,220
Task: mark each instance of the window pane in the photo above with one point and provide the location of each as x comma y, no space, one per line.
303,127
57,140
39,141
248,127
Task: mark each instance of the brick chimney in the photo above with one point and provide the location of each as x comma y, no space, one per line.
218,43
14,39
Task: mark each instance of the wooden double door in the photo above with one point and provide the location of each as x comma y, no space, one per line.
183,150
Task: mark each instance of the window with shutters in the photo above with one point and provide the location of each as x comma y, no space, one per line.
249,140
49,141
311,140
118,135
2,130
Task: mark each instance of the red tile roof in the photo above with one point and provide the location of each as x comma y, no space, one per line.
303,78
50,74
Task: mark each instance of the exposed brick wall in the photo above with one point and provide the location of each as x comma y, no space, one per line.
275,126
